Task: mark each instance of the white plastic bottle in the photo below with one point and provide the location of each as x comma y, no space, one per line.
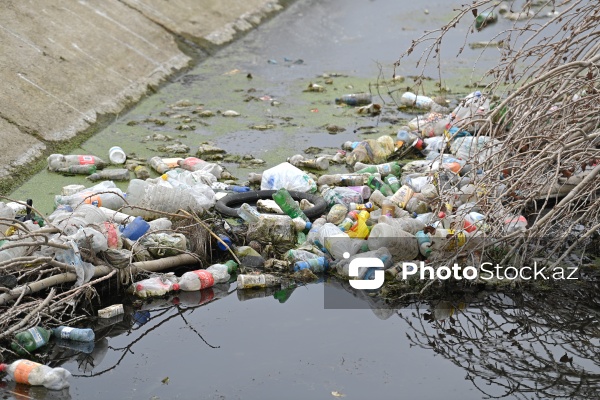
196,280
35,374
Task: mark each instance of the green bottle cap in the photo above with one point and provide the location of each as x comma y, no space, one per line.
231,266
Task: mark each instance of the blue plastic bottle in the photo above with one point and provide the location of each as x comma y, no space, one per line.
77,334
316,265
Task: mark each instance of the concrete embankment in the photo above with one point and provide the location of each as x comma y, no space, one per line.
67,66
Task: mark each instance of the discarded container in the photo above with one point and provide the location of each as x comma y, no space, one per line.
225,243
340,195
222,272
257,281
382,169
76,334
418,101
285,175
249,257
375,183
71,189
157,164
116,155
249,213
156,286
141,172
371,151
342,180
58,161
364,191
30,340
136,229
317,265
35,374
484,19
320,163
121,174
393,182
401,244
284,200
111,311
357,99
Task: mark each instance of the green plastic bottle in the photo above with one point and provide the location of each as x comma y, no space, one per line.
284,200
393,181
382,169
30,340
377,184
484,19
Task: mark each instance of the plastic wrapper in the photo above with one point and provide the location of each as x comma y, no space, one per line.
72,257
164,244
285,175
117,258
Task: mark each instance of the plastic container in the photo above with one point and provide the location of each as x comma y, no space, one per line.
285,175
141,172
337,213
156,286
388,208
257,281
340,195
284,200
111,311
196,280
254,178
59,161
301,225
225,242
160,198
402,196
410,139
136,229
377,198
372,151
157,164
295,255
418,101
30,340
342,180
35,374
249,213
116,155
410,225
105,194
376,183
6,214
71,189
195,164
381,169
120,174
222,272
364,191
320,163
317,265
360,229
357,99
76,334
401,244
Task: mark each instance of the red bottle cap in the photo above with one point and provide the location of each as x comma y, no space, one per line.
176,286
3,367
441,214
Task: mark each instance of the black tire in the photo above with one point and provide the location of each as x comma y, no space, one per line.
226,205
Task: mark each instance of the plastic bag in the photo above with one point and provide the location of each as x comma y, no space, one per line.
285,175
83,270
117,258
164,244
372,151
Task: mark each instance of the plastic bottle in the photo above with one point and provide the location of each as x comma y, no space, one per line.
227,242
382,169
157,164
447,239
364,191
357,99
313,234
249,257
254,177
342,180
337,213
320,163
257,281
388,208
340,195
402,196
424,242
377,198
382,253
474,221
401,244
349,221
418,101
156,286
410,139
30,340
248,213
77,334
121,174
295,255
221,272
317,265
35,374
116,155
77,169
160,198
335,241
410,225
301,225
104,194
284,200
376,183
56,161
6,214
484,19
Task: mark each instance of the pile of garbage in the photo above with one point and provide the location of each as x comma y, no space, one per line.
424,195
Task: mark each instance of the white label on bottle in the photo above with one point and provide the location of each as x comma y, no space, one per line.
66,333
37,337
385,169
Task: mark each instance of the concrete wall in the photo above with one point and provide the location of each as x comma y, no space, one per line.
65,63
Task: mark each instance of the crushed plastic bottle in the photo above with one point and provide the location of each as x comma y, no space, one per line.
31,373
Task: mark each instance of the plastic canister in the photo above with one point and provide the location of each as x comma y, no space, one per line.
136,229
117,155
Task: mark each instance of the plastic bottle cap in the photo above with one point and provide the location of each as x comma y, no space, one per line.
164,177
308,225
176,286
441,214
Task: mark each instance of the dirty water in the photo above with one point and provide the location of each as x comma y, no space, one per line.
260,348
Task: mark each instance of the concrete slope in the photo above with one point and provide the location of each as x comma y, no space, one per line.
65,63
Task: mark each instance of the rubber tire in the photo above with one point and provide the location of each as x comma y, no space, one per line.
224,206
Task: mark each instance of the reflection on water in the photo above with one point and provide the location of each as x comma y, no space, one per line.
509,345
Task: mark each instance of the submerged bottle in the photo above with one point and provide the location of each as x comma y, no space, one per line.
35,374
357,99
120,174
77,334
30,340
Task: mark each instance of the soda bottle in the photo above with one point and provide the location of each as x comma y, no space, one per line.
77,169
393,182
342,180
35,374
284,200
56,161
30,340
77,334
376,183
381,169
320,163
121,174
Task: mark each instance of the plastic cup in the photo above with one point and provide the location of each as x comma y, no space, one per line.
117,155
136,229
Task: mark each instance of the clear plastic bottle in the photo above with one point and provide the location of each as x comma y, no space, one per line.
364,191
104,194
381,169
249,213
77,334
156,286
31,373
410,225
295,255
319,163
57,161
120,174
257,281
340,195
284,200
418,101
372,151
377,198
30,340
393,182
342,180
158,197
222,272
313,234
401,244
317,265
196,164
6,214
157,164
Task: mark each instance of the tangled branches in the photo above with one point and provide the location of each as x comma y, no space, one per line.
544,120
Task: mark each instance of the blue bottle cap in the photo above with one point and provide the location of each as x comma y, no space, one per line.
225,239
308,226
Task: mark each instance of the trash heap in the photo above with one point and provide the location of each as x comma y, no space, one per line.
426,194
